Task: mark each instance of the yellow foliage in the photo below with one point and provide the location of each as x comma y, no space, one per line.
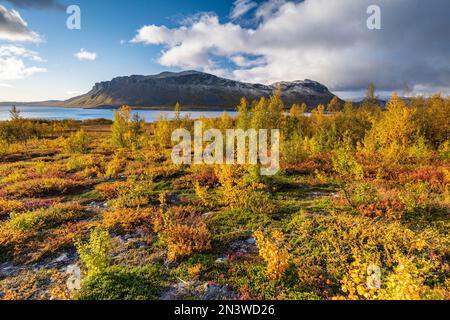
274,253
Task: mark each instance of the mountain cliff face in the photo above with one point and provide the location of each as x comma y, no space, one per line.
194,89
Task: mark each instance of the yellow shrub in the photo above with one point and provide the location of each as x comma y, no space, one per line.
274,253
239,189
9,206
202,193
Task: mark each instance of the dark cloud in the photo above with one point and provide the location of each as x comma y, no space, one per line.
324,40
37,4
14,28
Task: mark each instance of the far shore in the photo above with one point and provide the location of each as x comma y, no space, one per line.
164,108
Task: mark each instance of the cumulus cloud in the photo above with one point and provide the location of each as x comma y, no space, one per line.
19,51
84,55
324,40
14,28
37,4
12,62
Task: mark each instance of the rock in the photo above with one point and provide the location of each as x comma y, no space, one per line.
207,215
74,280
251,241
184,290
8,269
216,292
221,260
197,290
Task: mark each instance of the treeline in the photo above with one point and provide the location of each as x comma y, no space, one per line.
19,129
402,130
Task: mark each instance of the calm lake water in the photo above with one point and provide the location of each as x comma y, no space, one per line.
56,113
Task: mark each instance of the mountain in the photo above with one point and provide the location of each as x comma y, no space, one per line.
193,89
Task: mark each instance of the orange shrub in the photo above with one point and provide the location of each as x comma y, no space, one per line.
183,231
56,240
40,186
8,206
435,176
111,190
205,176
128,219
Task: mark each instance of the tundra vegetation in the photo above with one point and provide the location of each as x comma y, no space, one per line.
361,188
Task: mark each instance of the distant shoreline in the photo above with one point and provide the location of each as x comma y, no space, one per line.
163,108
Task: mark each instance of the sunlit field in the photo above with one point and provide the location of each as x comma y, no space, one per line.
362,197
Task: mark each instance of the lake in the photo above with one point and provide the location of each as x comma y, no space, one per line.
57,113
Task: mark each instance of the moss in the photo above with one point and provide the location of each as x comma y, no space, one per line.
122,283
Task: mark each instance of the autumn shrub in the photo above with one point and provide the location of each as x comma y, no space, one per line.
42,219
163,171
77,142
240,189
274,252
116,165
394,133
95,253
183,231
434,176
203,175
22,233
128,220
40,187
163,129
14,177
139,193
80,163
9,206
444,150
420,150
111,190
328,245
127,130
56,240
404,283
26,285
203,195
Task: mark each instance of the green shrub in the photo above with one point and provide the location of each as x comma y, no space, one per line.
122,283
95,254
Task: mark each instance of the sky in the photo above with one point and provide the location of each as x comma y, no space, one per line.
257,41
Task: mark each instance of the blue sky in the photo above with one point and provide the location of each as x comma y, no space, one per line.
256,41
104,25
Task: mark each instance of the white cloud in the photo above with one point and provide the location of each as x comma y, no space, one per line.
73,93
324,40
14,28
12,65
84,55
5,85
13,69
20,51
241,7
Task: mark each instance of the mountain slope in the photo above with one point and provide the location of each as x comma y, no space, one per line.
193,89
